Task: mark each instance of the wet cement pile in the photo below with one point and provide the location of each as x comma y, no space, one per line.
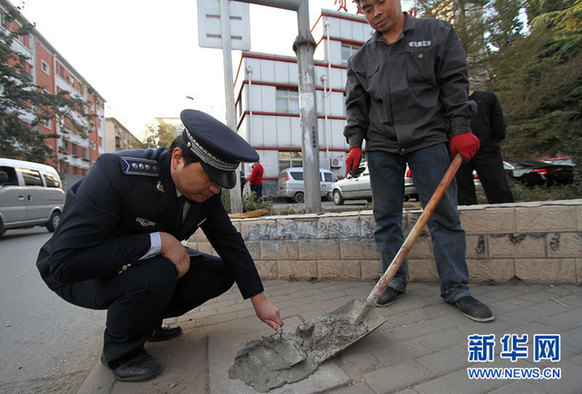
273,361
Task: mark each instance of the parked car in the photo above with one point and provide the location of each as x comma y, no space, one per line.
31,194
290,184
538,173
351,188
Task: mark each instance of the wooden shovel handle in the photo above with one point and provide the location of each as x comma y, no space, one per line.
382,284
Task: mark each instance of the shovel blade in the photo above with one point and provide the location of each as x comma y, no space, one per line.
326,336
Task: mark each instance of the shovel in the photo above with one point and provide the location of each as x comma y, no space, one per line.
326,336
362,316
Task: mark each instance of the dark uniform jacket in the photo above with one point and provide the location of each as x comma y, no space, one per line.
410,94
109,215
489,122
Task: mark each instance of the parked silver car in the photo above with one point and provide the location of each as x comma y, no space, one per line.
31,194
351,188
290,184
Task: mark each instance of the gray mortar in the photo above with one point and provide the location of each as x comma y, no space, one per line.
273,361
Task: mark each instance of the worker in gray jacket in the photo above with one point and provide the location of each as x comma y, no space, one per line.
406,96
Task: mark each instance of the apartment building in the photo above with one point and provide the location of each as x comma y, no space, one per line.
118,137
267,98
76,148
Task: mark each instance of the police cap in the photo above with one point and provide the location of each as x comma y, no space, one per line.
219,148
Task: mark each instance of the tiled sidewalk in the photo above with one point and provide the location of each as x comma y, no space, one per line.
422,348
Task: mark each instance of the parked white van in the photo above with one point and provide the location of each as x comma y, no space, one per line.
31,194
290,184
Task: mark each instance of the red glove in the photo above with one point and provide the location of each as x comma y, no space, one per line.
353,161
467,144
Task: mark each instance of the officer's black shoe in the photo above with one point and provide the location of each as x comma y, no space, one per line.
138,369
164,333
388,297
474,309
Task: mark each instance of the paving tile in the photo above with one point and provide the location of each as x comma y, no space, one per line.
443,339
357,363
455,382
569,382
422,348
352,388
396,377
223,345
519,387
445,361
534,312
564,321
398,352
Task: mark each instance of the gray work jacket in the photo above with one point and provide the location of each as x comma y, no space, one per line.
410,94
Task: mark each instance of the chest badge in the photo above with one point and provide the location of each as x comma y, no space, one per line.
160,187
145,222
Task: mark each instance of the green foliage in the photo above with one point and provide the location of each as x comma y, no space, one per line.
161,135
521,193
21,99
539,82
249,202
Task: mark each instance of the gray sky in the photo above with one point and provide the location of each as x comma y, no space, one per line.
143,56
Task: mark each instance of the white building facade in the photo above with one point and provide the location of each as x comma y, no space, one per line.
267,98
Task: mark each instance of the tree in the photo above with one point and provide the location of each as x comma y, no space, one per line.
161,135
504,23
539,81
23,104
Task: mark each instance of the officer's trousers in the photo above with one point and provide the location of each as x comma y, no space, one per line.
138,299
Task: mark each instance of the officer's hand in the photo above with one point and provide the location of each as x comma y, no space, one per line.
467,144
353,161
266,311
174,251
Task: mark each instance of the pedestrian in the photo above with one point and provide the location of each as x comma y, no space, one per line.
256,179
489,126
406,87
117,246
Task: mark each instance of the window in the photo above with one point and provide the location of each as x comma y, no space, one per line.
50,180
289,159
329,177
31,177
93,146
8,176
287,101
45,67
347,52
3,20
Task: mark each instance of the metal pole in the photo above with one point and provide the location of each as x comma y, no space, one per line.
235,195
304,46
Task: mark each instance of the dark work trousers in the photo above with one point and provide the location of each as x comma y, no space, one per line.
138,299
489,167
257,189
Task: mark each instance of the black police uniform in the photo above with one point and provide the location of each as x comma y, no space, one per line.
93,257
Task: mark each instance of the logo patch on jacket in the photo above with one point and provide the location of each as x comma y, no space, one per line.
145,222
419,44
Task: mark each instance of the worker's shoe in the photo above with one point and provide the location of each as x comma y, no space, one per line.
474,309
164,333
388,297
138,369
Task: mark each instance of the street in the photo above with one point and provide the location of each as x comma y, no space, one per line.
47,345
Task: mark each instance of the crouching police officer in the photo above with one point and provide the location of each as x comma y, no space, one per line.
117,246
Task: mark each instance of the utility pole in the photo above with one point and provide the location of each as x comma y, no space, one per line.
304,46
235,194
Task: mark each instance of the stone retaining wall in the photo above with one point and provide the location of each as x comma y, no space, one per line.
535,242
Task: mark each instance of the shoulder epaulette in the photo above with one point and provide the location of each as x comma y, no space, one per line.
139,166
